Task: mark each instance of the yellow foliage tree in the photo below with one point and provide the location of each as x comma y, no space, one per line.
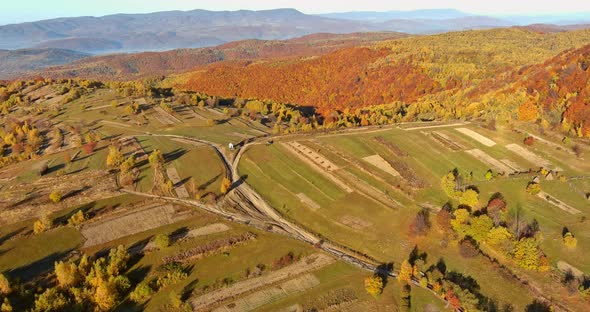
115,157
374,285
405,272
67,274
105,296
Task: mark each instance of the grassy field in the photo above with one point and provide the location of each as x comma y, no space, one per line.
279,176
200,163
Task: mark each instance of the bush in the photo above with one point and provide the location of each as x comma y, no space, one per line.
569,240
77,218
533,188
468,248
141,293
55,196
162,241
529,141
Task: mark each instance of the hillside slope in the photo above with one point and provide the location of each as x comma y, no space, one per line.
399,70
139,65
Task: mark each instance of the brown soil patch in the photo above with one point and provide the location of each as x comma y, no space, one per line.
164,117
136,221
531,157
490,161
476,136
180,189
317,158
446,141
566,267
316,161
354,222
408,174
266,296
379,162
307,264
209,248
391,147
208,229
118,124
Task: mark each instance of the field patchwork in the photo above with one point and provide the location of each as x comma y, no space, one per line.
531,157
491,161
317,162
179,188
266,296
305,265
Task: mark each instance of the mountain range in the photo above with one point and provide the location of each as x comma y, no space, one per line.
199,28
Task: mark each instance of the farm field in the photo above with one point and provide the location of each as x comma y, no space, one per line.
146,195
381,229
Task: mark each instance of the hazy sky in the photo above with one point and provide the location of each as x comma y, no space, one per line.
14,11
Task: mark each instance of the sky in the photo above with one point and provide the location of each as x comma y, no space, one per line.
16,11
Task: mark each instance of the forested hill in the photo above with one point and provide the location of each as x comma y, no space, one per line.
149,64
448,73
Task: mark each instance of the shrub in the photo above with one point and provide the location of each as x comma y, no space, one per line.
529,140
77,218
162,241
468,248
141,293
569,240
55,196
421,223
284,261
533,188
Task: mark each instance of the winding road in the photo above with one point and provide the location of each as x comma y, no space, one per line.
250,208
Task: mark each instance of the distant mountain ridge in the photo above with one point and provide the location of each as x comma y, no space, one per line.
150,64
375,16
15,62
168,30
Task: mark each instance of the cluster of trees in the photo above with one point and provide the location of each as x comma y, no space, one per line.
23,140
458,186
460,291
126,166
497,227
87,284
